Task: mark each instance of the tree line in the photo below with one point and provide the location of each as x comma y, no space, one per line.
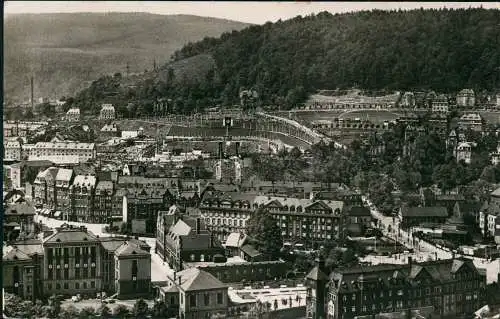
444,50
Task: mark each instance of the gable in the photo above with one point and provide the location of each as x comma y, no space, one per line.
274,204
318,206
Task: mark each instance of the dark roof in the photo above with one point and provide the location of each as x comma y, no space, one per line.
20,209
316,274
358,211
250,250
469,207
130,249
436,211
71,235
194,279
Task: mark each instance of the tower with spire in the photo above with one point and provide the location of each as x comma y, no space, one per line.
316,283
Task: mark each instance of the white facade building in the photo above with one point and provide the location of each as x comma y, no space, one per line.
107,112
12,150
63,151
73,115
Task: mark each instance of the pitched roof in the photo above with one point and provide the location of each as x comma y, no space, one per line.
435,211
316,274
236,240
130,249
20,209
496,192
181,228
194,279
66,235
250,250
64,174
14,253
30,246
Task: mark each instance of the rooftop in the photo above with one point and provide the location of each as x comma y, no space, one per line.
194,279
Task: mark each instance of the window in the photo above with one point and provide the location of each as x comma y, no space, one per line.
219,298
182,299
77,285
192,257
58,286
77,273
400,292
353,297
202,257
192,300
66,274
84,285
66,286
353,308
206,299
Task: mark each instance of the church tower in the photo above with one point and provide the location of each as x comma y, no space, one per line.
316,283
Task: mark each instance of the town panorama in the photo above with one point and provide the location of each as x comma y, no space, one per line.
274,171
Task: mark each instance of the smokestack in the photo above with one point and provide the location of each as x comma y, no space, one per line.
237,148
180,279
221,150
198,225
32,93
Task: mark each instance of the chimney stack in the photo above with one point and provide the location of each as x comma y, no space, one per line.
198,225
180,279
32,94
237,149
410,261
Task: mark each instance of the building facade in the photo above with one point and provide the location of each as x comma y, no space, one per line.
449,288
73,115
64,179
472,121
107,112
440,104
12,151
304,220
466,98
82,193
59,150
132,271
103,202
72,263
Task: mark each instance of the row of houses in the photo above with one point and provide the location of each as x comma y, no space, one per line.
107,113
57,151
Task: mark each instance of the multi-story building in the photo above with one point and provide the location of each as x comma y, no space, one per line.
495,156
56,151
466,98
18,219
498,100
21,271
445,288
82,193
407,100
12,176
305,220
472,121
440,104
196,293
63,183
464,152
103,202
72,262
132,271
489,215
107,112
44,188
226,213
411,216
73,115
188,240
12,151
141,206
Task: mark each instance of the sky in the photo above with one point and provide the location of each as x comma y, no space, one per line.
250,12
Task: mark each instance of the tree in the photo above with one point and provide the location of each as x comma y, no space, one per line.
141,309
104,311
69,312
55,306
121,311
160,310
87,312
265,233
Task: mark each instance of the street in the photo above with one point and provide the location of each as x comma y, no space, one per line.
422,251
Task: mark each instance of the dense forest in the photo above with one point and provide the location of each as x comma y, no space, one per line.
445,50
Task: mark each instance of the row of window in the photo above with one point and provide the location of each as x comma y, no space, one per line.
225,221
79,273
193,302
68,285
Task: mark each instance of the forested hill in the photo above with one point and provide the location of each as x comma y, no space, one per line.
441,49
284,62
66,51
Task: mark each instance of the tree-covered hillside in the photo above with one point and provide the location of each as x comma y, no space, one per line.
445,50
